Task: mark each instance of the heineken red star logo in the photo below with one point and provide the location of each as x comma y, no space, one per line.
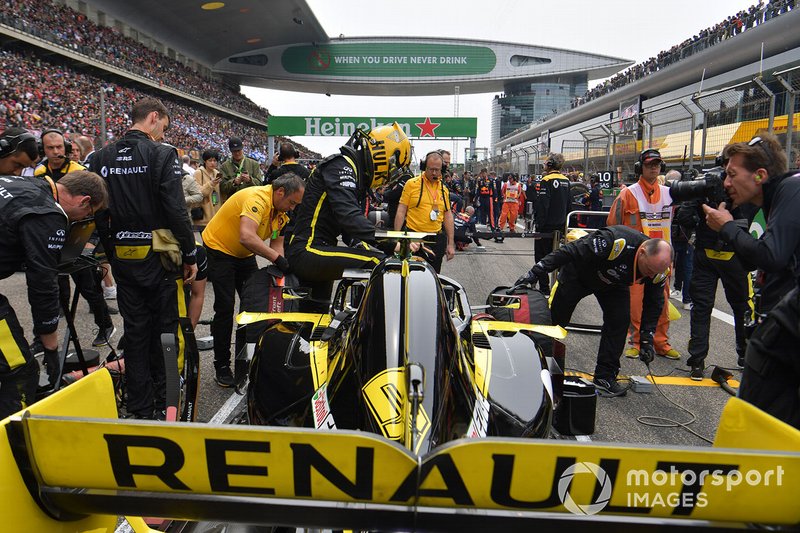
426,129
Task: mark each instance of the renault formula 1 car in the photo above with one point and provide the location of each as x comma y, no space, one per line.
402,355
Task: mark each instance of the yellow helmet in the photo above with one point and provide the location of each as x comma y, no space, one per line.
389,149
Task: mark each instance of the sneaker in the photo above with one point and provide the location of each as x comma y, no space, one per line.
609,387
103,336
688,305
696,373
675,294
224,377
36,346
110,293
672,353
740,361
632,352
480,248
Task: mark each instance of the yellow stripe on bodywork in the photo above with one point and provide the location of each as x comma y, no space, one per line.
319,363
482,359
557,332
8,346
250,318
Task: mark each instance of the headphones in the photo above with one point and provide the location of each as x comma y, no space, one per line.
424,160
637,166
67,142
9,145
292,153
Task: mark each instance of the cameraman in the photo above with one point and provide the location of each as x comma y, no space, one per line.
756,174
713,261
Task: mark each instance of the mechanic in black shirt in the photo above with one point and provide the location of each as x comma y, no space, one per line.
334,205
287,162
756,173
606,263
33,229
550,208
146,194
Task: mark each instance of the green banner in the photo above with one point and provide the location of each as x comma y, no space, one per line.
414,127
389,60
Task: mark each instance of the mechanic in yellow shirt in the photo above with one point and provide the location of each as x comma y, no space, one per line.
425,207
232,238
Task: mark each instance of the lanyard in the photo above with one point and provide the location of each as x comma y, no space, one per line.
434,199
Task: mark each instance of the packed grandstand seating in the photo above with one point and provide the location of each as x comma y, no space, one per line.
70,101
730,27
70,29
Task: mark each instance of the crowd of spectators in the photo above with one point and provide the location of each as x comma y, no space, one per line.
730,27
66,27
38,93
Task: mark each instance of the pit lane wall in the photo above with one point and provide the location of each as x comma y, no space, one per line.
70,465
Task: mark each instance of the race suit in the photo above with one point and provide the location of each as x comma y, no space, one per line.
145,193
648,209
604,264
33,229
333,206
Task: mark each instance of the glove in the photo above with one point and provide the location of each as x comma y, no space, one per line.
647,351
283,264
51,363
532,276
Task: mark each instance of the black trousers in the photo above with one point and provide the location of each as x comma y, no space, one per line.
771,376
318,266
703,289
541,247
19,372
88,285
147,312
614,300
227,275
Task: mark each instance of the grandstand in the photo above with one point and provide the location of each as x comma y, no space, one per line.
55,62
723,85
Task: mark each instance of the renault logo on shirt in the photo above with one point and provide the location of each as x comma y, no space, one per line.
141,169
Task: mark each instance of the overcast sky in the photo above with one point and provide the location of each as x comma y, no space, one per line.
630,29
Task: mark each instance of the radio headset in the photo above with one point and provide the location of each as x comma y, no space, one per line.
9,145
650,152
67,142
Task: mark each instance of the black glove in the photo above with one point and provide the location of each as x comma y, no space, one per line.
647,351
283,264
532,276
51,363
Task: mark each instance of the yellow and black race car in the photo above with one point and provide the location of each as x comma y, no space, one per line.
402,355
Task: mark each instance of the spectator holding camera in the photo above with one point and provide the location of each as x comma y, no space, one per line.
756,174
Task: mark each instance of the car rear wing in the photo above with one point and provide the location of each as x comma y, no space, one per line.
70,465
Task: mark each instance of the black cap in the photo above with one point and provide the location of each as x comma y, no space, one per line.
235,143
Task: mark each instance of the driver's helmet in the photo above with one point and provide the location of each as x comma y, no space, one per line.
389,149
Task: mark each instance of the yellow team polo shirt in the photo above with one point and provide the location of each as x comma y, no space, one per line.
430,197
255,203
